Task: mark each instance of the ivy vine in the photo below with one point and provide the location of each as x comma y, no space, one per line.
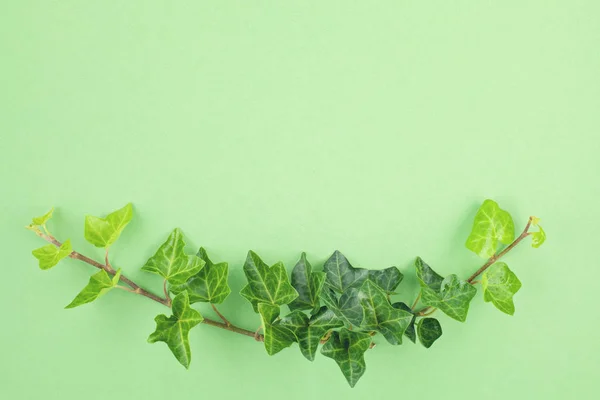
340,308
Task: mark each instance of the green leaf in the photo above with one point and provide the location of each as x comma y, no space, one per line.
388,279
499,284
429,330
209,285
347,349
102,232
308,284
50,255
276,336
171,262
44,218
491,225
341,275
347,307
538,238
99,284
266,285
174,330
450,295
379,315
308,332
410,329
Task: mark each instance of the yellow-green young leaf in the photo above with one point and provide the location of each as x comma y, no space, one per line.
174,330
49,255
499,284
276,336
450,294
538,238
347,349
171,262
44,218
99,284
266,284
429,330
492,225
102,232
209,285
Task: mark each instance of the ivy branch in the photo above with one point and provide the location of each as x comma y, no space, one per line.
340,308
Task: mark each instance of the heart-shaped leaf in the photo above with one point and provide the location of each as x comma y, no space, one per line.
499,285
99,284
429,330
266,284
102,232
347,349
491,226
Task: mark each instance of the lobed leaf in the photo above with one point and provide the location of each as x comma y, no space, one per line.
347,349
429,330
451,295
208,285
379,315
308,284
103,232
499,285
276,336
347,307
387,279
99,284
171,262
410,329
491,226
309,331
266,284
50,255
341,275
44,218
174,330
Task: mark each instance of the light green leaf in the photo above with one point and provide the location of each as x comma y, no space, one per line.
429,330
308,332
99,284
347,349
102,232
538,238
341,274
491,226
308,284
266,284
50,255
499,284
379,315
410,329
171,262
209,285
44,218
347,307
276,336
388,279
451,295
174,330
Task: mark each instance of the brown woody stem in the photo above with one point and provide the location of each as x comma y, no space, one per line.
139,290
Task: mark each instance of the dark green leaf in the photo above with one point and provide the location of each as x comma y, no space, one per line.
308,332
209,285
410,329
451,295
174,330
266,284
491,225
102,232
99,284
50,255
341,275
379,315
499,284
347,307
347,349
171,262
429,331
308,284
388,279
276,336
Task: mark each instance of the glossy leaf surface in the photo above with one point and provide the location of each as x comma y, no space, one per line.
499,285
99,284
347,349
102,232
491,226
50,255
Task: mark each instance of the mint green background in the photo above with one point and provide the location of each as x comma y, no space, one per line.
376,129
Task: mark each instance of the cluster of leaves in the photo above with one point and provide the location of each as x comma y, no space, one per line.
341,307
